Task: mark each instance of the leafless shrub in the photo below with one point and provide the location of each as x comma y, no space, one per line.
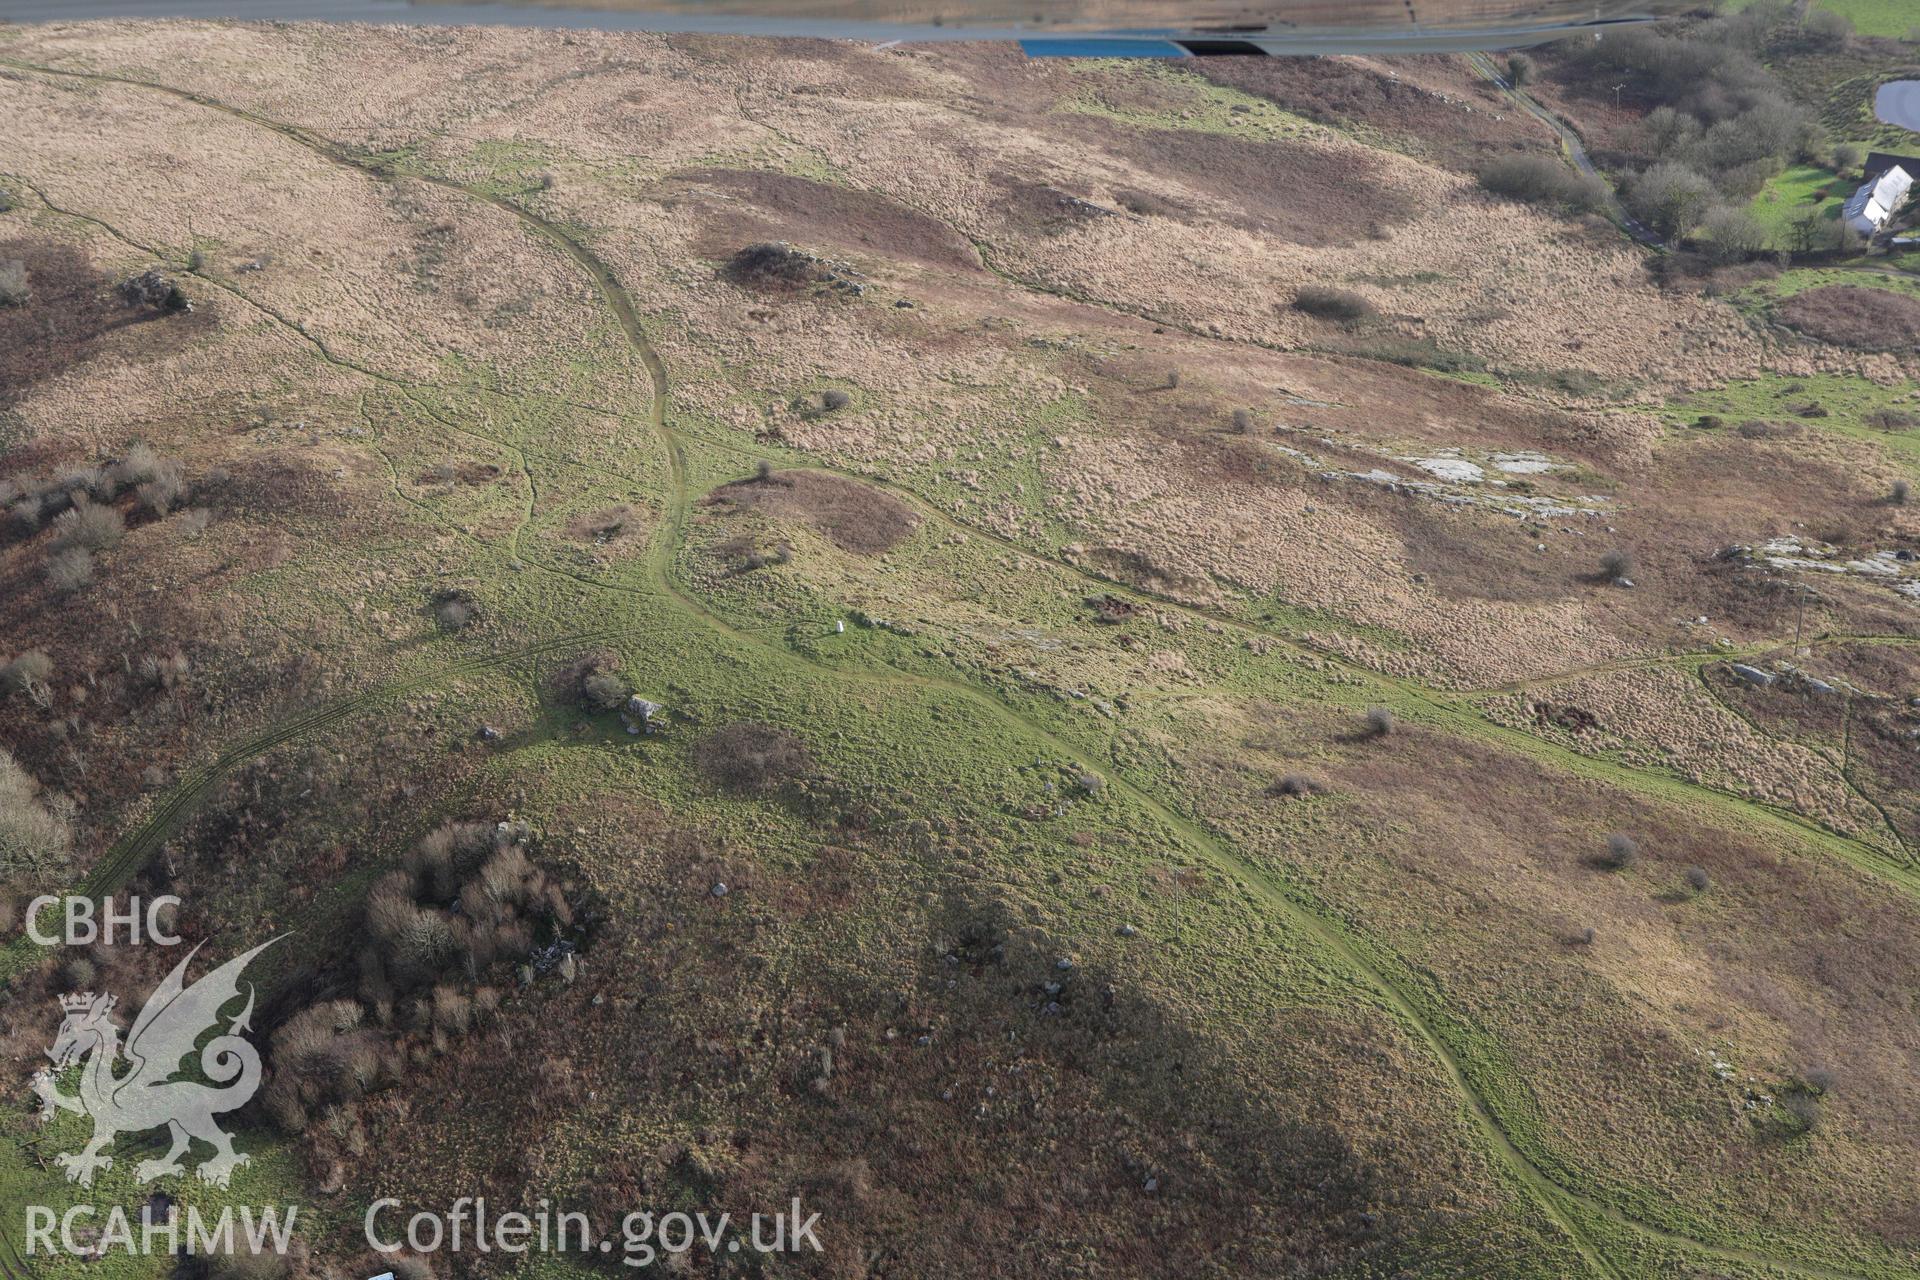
1380,722
1297,784
140,465
1616,564
1825,29
570,681
26,673
1898,497
1697,879
833,399
164,670
1333,304
33,828
604,691
452,1009
69,570
390,906
1544,180
449,853
1803,1109
283,1106
305,1042
161,494
507,879
82,483
1622,852
90,526
1734,235
1671,197
428,945
26,513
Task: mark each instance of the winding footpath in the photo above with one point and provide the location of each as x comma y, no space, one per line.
1570,145
1571,1211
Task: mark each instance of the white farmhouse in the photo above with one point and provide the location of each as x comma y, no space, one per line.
1869,208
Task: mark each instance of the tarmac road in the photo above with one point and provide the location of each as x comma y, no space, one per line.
1569,141
456,13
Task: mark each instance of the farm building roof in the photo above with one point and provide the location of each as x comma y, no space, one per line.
1877,198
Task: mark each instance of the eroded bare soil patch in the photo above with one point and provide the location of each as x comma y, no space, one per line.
780,206
852,516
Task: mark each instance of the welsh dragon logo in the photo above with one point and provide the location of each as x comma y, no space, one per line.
148,1096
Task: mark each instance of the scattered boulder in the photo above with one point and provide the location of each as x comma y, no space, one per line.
776,265
156,289
1752,675
640,715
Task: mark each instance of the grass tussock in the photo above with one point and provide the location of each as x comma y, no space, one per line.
1338,305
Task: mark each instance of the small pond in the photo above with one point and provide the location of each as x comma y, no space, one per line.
1898,102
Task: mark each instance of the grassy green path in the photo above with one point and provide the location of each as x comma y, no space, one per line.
1511,1141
